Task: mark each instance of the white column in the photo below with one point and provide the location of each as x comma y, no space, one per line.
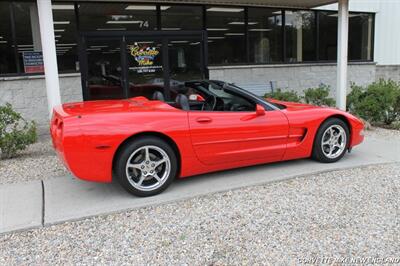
49,53
342,49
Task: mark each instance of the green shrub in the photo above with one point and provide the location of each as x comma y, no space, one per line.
287,96
396,125
379,102
15,132
319,96
353,98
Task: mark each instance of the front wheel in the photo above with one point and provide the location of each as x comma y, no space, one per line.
146,166
331,141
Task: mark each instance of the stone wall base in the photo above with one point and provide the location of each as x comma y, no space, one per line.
28,96
388,72
294,77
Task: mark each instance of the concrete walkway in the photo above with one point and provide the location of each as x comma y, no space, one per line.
56,200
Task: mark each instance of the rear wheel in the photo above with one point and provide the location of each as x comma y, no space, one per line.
146,166
331,141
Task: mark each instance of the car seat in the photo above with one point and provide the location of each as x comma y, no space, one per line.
159,96
182,102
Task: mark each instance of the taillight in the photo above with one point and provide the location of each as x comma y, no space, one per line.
57,127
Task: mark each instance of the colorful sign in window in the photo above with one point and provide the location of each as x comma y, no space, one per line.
33,62
146,58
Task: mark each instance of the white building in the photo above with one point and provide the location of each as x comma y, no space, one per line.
387,27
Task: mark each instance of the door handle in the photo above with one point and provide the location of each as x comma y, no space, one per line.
203,119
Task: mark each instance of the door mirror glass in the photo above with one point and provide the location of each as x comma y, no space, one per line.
260,110
196,97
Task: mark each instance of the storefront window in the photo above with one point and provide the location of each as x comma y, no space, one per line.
65,35
145,65
106,16
265,35
185,60
7,56
23,29
104,69
226,35
328,35
300,32
231,39
181,17
360,36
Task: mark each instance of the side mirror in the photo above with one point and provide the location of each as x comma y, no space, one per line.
260,110
196,97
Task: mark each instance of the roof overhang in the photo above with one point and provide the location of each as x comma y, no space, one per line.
306,4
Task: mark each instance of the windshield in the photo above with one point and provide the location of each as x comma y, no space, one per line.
220,96
245,91
227,85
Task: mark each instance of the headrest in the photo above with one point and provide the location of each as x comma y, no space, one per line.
182,102
157,95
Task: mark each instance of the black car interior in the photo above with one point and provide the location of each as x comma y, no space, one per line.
159,96
182,102
214,97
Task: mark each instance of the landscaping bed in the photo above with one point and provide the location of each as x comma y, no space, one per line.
37,162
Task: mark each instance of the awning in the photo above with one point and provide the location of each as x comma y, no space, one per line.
272,3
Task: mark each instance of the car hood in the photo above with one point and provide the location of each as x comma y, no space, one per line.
111,106
292,106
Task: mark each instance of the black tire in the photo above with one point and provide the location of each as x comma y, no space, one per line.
317,153
125,153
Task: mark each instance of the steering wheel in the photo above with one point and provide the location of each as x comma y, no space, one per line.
211,101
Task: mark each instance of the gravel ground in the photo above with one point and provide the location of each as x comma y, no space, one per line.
37,162
342,214
382,133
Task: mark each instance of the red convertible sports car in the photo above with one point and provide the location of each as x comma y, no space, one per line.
210,126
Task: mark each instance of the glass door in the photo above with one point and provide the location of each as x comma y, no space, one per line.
162,64
104,77
185,59
120,65
145,66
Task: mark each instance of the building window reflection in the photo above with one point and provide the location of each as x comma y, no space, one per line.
236,34
300,36
360,36
226,35
265,35
65,36
7,56
181,17
112,17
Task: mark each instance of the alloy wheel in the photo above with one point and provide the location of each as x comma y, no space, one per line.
148,167
334,141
